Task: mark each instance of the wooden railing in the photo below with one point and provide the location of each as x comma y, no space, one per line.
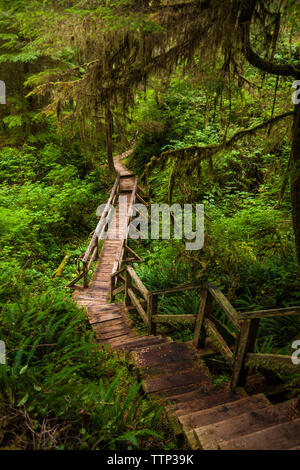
124,248
92,252
244,355
236,344
144,301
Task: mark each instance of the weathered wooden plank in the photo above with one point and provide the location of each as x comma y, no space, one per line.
222,412
164,354
275,362
168,318
118,290
203,311
93,257
278,312
280,437
142,288
210,436
224,303
218,341
139,198
173,290
133,253
152,313
187,377
72,283
138,306
239,354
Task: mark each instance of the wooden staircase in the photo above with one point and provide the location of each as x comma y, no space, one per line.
209,416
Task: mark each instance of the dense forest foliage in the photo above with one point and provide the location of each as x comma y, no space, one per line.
208,86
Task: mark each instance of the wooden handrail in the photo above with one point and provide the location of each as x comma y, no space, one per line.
225,305
119,255
92,252
277,312
141,287
174,290
102,220
276,362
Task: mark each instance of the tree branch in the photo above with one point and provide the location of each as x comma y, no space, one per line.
252,57
214,148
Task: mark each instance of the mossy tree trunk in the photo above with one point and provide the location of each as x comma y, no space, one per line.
295,178
109,140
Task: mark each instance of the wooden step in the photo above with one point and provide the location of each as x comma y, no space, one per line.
211,400
173,381
212,395
138,342
165,358
280,437
225,411
210,436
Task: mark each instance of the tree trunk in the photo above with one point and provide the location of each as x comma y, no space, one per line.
109,141
295,178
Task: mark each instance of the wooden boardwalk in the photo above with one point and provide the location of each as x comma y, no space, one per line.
208,416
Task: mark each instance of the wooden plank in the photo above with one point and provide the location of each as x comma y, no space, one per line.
218,341
118,290
239,354
139,198
133,253
199,400
203,311
143,290
222,412
152,313
138,306
93,257
228,336
173,290
187,377
99,318
72,283
210,436
278,312
280,437
164,354
224,303
168,318
275,362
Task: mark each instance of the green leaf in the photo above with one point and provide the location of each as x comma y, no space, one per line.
23,369
24,400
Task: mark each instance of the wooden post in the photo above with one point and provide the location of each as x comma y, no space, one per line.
151,310
127,286
85,275
97,245
244,344
112,287
203,311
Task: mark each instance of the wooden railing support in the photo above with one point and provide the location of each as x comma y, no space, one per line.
127,286
244,344
85,275
151,312
203,311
